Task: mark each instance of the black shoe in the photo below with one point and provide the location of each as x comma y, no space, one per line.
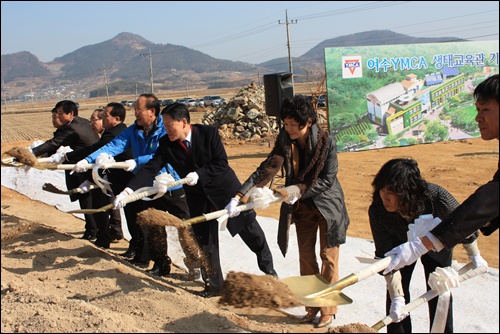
139,263
115,240
209,294
89,237
101,244
165,267
155,270
272,272
130,254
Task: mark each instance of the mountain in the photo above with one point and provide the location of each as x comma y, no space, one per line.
374,37
22,65
125,61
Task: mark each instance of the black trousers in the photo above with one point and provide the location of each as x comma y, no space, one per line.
404,326
253,236
151,242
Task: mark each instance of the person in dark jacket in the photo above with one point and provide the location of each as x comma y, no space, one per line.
401,201
76,133
313,196
203,160
112,118
142,137
478,211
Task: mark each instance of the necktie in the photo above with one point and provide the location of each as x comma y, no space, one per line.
188,144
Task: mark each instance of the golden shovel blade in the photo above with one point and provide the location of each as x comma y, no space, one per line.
302,286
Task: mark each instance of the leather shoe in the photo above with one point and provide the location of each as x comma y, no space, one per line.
139,263
154,271
130,254
324,321
272,272
309,317
88,237
101,245
208,293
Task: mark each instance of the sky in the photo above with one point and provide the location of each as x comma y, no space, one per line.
475,301
247,31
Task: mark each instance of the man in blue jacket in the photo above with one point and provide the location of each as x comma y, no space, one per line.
143,138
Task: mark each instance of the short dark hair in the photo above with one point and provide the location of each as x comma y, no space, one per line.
117,109
152,102
488,89
299,108
177,111
402,177
68,106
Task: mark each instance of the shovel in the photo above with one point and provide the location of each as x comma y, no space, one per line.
171,220
148,191
13,162
314,291
465,273
53,189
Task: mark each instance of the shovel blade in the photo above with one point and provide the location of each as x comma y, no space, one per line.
302,286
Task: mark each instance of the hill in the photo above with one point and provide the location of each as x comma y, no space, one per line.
128,60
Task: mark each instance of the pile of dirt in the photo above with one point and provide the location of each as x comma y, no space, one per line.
352,328
247,290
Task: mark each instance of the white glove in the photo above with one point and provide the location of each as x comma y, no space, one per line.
118,202
442,279
81,166
478,261
131,165
192,179
231,207
57,157
34,144
405,254
395,311
290,194
85,187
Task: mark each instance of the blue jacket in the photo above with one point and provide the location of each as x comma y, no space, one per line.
143,148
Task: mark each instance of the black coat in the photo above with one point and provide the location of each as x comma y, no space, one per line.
77,135
217,182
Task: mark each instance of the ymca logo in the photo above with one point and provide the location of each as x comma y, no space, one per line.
351,67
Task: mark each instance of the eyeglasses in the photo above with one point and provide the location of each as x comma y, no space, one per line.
93,120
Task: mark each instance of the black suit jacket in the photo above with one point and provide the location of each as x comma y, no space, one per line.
217,183
106,137
77,135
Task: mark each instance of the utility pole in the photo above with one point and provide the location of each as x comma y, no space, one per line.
150,67
4,94
288,40
32,105
104,68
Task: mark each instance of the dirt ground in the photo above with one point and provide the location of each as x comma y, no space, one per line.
51,281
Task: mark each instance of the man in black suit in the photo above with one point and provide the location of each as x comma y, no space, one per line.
203,159
113,117
76,133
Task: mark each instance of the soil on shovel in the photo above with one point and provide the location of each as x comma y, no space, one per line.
247,290
352,328
23,155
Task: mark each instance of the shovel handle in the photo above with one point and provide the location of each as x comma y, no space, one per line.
374,268
117,165
220,213
424,298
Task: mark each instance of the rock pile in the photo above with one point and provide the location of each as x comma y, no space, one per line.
244,117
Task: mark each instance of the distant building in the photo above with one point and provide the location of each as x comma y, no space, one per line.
398,106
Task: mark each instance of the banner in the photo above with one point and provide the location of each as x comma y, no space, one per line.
398,95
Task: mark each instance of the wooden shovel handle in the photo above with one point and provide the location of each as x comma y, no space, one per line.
424,298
